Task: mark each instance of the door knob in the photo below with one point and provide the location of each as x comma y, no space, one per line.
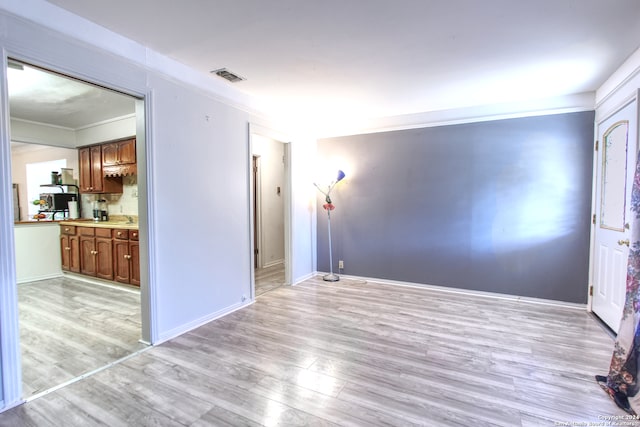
623,242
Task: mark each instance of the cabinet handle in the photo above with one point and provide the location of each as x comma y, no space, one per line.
67,248
119,233
66,229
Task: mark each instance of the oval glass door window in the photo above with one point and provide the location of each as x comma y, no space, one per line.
614,168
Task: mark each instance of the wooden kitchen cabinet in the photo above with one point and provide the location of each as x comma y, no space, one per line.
134,251
96,252
106,253
126,249
92,179
87,255
70,249
119,152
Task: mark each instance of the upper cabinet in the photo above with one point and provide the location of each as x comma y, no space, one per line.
119,152
119,158
92,178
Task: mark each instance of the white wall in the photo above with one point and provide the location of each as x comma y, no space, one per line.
38,133
37,251
271,215
117,128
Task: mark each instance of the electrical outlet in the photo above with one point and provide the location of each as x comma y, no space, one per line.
341,264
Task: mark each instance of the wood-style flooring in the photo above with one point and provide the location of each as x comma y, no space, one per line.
69,327
269,278
357,354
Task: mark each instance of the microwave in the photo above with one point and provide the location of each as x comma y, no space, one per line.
58,201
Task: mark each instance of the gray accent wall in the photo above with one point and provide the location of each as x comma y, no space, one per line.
500,206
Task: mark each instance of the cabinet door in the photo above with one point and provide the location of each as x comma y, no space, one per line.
88,255
127,151
104,263
121,261
74,254
96,169
134,252
84,160
110,154
65,252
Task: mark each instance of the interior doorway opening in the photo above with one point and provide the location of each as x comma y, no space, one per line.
270,199
72,322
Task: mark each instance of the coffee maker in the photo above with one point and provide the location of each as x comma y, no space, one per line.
100,212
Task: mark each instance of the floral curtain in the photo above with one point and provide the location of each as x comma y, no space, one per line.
622,381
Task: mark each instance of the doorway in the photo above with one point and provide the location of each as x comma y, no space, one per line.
62,317
615,159
270,205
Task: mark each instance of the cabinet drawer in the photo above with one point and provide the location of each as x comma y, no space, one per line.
68,229
103,232
133,235
121,234
86,231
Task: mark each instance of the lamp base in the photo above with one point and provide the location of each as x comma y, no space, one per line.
331,277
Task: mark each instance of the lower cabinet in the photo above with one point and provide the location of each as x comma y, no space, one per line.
70,248
126,249
96,252
106,253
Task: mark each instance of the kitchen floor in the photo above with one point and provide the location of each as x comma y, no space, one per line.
70,327
269,278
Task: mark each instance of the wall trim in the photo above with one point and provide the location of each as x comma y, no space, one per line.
574,103
273,263
308,276
447,289
187,327
37,278
616,81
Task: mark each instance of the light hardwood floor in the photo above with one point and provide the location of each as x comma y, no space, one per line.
269,278
69,327
353,353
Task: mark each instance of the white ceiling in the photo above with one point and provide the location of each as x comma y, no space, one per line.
39,96
375,58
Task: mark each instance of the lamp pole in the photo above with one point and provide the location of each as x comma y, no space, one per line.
330,277
329,207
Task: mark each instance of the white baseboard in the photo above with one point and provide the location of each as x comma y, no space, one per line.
36,278
106,283
484,294
273,263
182,329
303,278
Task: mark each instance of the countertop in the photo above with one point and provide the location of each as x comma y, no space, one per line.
122,224
101,224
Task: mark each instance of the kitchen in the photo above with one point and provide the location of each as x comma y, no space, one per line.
74,170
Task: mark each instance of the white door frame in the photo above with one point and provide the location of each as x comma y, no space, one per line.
257,223
634,140
11,375
269,133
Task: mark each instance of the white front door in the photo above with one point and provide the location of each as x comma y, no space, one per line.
616,160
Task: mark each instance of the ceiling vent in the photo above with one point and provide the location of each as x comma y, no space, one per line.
228,75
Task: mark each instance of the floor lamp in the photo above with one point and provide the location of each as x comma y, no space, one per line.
328,206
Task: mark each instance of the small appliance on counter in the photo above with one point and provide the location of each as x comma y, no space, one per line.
56,202
100,212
